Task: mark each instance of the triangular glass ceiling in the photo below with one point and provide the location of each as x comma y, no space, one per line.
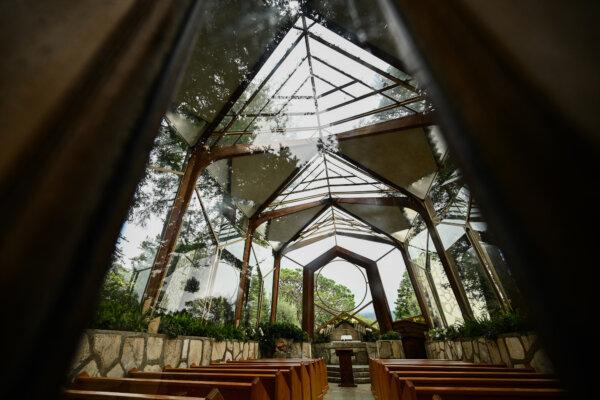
328,175
301,93
333,222
330,180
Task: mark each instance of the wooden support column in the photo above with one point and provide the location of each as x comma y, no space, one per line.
197,162
275,292
243,287
417,287
308,301
447,263
380,303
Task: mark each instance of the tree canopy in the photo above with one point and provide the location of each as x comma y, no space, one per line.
336,296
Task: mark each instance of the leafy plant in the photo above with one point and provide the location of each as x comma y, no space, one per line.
119,309
391,335
183,323
322,337
269,332
370,336
510,322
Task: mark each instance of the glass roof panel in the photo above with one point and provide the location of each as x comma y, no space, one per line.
300,90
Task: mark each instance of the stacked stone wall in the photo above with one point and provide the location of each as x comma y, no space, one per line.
113,353
515,351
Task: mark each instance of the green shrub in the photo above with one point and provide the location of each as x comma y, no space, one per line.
282,330
182,323
510,322
118,308
391,335
322,338
370,336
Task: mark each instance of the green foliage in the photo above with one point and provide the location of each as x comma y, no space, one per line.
154,195
391,335
183,323
214,309
119,309
473,277
256,294
321,337
270,332
330,292
406,302
511,322
287,313
370,336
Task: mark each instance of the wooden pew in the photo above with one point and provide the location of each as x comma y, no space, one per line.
319,375
274,383
412,392
398,383
385,371
229,390
381,370
291,377
300,367
96,395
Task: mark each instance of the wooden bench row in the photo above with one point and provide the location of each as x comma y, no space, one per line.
442,379
312,373
272,379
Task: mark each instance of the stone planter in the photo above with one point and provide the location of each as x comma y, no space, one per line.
287,348
512,350
113,353
390,349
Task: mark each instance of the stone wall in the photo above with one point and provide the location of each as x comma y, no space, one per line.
512,350
113,353
390,349
287,348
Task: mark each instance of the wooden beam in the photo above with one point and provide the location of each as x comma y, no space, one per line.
244,275
308,300
275,291
380,303
447,263
281,212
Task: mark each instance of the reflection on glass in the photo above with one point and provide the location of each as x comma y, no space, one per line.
422,254
480,292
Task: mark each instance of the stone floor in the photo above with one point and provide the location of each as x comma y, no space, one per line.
360,392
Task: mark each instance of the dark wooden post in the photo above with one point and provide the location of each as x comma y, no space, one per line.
447,263
275,292
242,290
197,162
308,299
416,286
380,304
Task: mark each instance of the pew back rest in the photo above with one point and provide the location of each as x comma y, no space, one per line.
230,390
72,394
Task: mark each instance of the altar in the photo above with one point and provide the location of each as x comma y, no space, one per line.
345,336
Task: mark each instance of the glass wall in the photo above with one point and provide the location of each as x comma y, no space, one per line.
140,234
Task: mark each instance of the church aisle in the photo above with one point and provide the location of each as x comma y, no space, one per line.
360,392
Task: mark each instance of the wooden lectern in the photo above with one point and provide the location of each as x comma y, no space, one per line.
346,374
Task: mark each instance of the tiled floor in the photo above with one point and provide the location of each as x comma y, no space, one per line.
360,392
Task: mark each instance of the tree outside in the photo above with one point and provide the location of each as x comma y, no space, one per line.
406,304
